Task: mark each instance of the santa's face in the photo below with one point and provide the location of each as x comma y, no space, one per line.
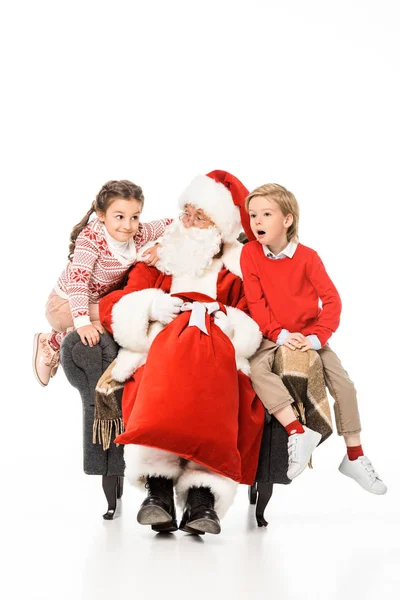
195,217
189,246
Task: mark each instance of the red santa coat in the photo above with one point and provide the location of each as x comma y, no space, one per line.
189,398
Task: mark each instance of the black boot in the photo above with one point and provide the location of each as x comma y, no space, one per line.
199,515
158,510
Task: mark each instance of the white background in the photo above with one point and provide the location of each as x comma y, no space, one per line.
302,93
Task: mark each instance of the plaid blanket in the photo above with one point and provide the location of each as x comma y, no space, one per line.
108,421
302,373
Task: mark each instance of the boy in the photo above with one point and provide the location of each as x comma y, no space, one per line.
283,282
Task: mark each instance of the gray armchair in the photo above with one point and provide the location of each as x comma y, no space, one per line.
84,366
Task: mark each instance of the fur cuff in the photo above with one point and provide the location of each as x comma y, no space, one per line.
243,364
126,363
222,488
131,320
246,337
142,462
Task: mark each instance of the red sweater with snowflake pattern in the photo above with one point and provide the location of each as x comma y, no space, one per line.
285,293
95,270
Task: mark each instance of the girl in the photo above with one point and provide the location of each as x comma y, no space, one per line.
100,254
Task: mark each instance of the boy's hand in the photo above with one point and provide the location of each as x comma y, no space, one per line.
295,341
307,345
151,255
90,334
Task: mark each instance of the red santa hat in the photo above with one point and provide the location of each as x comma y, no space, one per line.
222,197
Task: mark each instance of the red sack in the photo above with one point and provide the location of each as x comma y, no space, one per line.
185,400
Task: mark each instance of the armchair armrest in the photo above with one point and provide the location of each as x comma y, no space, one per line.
83,367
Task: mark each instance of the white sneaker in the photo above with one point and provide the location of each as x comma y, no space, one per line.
300,448
362,471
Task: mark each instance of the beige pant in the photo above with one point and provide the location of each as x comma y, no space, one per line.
58,313
274,395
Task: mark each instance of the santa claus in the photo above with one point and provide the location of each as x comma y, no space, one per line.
192,420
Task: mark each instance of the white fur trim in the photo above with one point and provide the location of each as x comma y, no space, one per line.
243,364
126,363
204,284
131,320
246,337
223,488
142,462
216,201
231,257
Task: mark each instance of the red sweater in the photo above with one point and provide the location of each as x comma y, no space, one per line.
285,293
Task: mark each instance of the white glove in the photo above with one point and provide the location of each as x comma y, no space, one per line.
222,321
165,309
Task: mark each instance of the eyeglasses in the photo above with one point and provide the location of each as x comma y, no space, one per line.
197,220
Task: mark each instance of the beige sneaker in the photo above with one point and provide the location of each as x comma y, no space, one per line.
45,360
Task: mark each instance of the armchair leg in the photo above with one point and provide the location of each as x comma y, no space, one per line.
252,491
264,495
120,488
110,488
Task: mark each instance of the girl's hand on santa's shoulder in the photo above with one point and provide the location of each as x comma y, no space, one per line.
151,255
90,334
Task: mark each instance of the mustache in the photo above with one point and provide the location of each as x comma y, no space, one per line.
188,250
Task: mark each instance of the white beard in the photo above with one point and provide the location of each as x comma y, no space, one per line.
188,251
